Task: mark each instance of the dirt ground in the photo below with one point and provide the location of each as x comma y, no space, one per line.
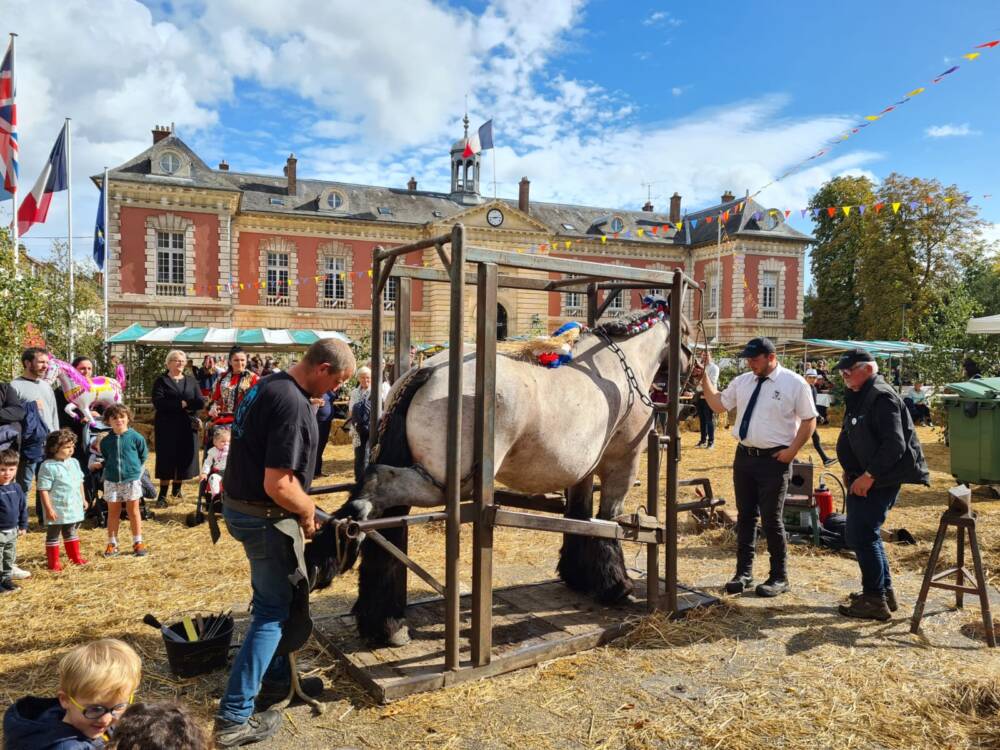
750,673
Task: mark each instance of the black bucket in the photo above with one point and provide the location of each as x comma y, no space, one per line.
192,658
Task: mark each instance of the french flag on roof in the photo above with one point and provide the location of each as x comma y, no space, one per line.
35,206
480,141
8,123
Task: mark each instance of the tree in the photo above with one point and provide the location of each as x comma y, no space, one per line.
22,301
54,320
882,271
833,308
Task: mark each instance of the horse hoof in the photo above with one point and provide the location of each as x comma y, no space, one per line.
398,632
621,593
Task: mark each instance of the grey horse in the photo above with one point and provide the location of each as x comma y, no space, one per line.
555,430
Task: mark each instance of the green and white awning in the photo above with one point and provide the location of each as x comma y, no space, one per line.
218,339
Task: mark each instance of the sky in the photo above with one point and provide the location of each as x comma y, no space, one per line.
604,103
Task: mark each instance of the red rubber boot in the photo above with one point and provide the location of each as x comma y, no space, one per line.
73,552
52,555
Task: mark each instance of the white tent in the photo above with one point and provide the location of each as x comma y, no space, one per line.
989,324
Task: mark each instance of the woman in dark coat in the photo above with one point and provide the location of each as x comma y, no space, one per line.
177,400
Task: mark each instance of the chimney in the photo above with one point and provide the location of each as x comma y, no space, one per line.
648,207
675,208
522,194
160,132
290,173
412,184
728,196
223,166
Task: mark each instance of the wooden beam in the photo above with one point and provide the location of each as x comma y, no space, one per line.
593,527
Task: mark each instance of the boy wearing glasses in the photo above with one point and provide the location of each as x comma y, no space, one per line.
97,682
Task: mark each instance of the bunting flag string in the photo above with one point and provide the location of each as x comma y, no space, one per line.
869,120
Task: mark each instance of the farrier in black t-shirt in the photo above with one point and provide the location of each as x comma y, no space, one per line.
273,428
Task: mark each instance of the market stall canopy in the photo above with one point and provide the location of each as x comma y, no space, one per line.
217,339
989,324
831,347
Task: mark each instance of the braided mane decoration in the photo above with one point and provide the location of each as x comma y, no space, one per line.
655,309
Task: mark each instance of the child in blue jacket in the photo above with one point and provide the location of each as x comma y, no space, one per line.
123,456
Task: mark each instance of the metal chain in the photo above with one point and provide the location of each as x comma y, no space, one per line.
629,374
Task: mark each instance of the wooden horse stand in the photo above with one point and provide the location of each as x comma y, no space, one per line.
966,525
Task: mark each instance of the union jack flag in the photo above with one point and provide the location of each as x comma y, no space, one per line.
8,122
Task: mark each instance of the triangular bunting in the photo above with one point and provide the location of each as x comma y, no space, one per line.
878,207
861,209
895,207
846,210
916,91
787,214
831,211
972,55
988,45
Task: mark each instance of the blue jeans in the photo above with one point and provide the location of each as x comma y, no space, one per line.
272,560
26,473
865,516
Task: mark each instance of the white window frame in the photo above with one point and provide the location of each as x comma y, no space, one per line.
574,304
171,268
710,304
334,282
390,293
277,277
774,269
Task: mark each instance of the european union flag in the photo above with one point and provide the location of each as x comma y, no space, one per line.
100,244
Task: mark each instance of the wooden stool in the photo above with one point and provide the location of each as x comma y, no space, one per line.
966,524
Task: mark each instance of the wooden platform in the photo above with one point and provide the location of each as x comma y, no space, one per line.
531,623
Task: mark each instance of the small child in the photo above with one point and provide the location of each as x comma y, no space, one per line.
60,485
97,682
123,456
215,462
158,726
13,519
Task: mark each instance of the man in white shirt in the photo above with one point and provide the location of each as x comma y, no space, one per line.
775,416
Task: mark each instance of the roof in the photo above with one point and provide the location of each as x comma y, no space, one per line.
269,194
830,347
214,339
989,324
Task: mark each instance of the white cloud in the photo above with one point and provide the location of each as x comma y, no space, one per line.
949,131
375,103
661,18
991,233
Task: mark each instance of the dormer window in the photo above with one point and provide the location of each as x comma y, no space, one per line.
170,162
617,224
332,201
277,201
569,227
384,211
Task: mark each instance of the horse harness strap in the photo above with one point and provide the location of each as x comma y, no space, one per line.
634,387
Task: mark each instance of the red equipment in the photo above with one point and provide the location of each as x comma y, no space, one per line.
824,501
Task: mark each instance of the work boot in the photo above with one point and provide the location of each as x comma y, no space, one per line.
274,692
257,728
740,583
867,607
773,586
890,598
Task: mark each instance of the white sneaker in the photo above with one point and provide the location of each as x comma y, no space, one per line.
19,574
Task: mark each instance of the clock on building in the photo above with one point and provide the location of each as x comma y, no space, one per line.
494,217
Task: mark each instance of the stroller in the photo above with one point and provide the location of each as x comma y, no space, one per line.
93,484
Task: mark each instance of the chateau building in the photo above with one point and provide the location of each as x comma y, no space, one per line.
190,245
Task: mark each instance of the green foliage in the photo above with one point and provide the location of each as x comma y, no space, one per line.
54,319
22,301
143,364
883,274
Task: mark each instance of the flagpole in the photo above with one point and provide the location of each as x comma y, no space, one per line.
13,223
69,217
107,261
718,278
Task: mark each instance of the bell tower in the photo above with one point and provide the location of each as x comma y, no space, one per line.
464,170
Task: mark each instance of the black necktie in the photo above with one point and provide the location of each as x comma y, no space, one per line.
745,422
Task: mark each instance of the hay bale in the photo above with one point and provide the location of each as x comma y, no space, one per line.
339,436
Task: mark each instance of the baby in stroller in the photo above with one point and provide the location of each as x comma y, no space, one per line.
93,481
212,469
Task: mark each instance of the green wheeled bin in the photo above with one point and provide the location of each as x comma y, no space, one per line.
974,430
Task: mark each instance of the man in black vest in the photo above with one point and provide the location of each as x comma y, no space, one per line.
879,451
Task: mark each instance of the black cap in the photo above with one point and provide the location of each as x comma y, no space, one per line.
756,347
851,358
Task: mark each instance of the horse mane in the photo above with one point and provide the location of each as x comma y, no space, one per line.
70,372
629,325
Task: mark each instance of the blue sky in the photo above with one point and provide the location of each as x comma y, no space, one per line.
591,99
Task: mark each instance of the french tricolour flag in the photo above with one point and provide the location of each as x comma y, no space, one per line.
480,141
8,123
35,206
